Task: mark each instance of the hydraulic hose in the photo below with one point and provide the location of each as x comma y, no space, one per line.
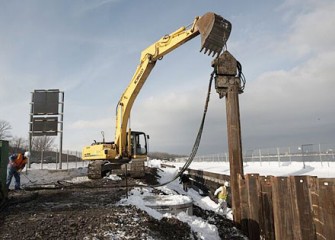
198,138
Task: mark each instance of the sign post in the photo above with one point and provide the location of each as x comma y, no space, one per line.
44,117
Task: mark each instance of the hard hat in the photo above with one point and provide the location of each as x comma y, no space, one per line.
27,154
226,184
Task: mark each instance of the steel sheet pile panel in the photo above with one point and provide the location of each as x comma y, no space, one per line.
244,204
253,190
317,213
266,218
303,227
326,189
249,189
295,207
282,208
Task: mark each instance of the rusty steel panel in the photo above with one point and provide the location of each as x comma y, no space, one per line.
234,146
303,227
282,208
266,219
253,191
295,207
226,64
244,204
317,213
327,206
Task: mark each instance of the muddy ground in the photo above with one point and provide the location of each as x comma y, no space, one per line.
89,211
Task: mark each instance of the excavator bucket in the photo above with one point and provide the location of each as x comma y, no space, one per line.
214,31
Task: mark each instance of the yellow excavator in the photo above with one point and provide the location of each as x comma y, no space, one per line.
129,149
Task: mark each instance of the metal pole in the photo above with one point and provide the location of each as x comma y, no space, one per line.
289,153
31,127
42,156
303,155
320,154
61,130
67,160
56,158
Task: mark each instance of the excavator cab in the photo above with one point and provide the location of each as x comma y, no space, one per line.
139,145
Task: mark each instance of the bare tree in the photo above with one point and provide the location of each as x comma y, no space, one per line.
18,144
4,130
44,143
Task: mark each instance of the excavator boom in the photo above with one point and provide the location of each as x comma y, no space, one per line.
214,31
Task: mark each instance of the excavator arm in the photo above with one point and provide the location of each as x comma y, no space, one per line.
214,30
108,156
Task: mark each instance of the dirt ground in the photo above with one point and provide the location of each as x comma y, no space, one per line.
89,211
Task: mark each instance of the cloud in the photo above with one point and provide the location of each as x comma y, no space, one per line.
290,104
95,124
314,31
293,104
93,49
93,5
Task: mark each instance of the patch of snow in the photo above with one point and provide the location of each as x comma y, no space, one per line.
113,177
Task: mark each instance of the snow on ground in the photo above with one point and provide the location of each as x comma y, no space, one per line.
319,169
50,175
203,229
73,173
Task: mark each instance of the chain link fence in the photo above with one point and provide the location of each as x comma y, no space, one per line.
323,153
50,159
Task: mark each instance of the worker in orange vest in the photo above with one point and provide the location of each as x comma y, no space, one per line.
15,165
222,194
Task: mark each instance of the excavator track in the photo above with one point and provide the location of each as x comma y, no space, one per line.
95,169
99,168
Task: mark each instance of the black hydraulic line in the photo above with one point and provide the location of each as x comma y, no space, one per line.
65,184
198,138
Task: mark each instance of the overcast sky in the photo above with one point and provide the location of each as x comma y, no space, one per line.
90,50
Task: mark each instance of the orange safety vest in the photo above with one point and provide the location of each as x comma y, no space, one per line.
19,162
